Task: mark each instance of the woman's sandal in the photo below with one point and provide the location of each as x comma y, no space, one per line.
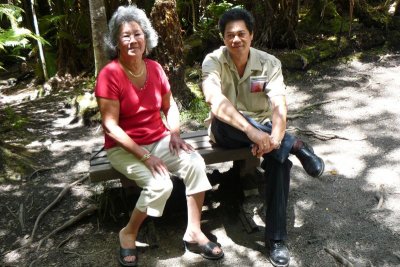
206,251
125,252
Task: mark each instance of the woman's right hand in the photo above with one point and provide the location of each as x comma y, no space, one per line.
156,166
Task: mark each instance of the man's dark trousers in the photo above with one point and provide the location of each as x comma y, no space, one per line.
277,172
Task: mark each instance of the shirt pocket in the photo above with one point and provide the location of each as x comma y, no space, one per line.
258,84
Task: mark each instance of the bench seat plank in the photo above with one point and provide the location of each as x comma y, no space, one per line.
101,169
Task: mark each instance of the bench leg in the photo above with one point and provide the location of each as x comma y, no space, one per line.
249,176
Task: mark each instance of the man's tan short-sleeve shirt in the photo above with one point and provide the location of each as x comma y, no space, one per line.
219,67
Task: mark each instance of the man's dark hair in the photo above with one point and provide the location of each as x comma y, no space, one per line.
235,14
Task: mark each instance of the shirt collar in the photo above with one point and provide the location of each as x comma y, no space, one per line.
253,61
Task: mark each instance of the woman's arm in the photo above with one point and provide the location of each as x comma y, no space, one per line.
109,110
171,112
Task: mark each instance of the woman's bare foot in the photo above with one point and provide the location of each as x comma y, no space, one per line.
201,239
127,241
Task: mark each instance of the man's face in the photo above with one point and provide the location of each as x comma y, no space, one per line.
237,38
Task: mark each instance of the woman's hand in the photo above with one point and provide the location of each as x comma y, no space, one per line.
156,166
177,143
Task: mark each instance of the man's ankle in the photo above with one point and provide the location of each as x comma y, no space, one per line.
298,144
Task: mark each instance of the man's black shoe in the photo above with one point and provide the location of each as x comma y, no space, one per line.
312,164
278,253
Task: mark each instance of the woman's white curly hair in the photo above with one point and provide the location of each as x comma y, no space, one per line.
123,15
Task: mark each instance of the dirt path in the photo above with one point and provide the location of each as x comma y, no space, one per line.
339,211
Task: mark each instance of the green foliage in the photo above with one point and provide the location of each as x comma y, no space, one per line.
208,23
207,34
198,111
198,108
15,38
10,120
323,18
68,28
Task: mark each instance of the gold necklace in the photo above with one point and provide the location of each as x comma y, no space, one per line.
133,74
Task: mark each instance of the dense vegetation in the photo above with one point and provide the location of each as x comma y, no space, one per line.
65,25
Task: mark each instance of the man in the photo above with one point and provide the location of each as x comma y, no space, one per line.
243,113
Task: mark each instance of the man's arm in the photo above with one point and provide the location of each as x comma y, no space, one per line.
279,112
223,109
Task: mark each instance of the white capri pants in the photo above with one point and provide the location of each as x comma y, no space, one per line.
189,167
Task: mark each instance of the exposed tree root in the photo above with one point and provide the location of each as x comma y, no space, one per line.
21,216
339,258
73,220
300,113
321,135
62,243
38,171
58,198
397,254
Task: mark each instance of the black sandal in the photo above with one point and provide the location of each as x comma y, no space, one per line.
206,251
125,252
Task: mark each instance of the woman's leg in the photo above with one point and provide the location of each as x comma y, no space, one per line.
151,202
193,231
128,234
190,167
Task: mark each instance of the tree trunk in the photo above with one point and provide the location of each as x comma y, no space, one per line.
40,47
98,21
276,21
169,52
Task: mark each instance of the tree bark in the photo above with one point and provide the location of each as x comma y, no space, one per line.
169,52
98,21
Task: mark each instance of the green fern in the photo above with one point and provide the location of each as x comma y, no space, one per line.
15,36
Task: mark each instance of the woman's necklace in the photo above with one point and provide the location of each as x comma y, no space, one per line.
133,74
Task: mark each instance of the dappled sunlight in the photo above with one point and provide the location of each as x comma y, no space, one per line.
354,207
386,175
339,160
8,188
299,207
81,193
12,257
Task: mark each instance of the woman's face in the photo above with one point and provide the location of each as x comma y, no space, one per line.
131,41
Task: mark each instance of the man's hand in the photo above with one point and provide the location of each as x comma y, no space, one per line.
262,142
177,143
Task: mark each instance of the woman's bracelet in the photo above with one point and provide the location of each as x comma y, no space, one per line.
146,157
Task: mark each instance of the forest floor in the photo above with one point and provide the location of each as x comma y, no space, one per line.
353,123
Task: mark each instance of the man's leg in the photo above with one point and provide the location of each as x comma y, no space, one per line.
230,137
277,181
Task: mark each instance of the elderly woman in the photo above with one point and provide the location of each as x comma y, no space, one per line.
132,91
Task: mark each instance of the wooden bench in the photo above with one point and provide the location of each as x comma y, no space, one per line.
101,169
